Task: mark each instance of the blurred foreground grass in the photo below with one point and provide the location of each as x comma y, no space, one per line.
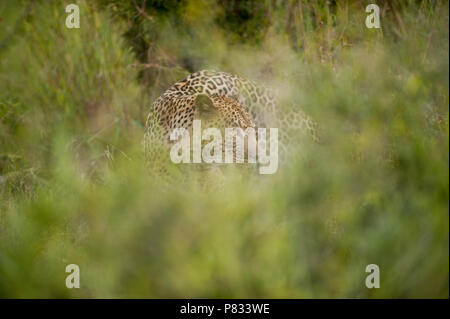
73,184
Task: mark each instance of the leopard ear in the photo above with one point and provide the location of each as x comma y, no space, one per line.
204,106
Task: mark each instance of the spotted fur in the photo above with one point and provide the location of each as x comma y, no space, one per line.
234,101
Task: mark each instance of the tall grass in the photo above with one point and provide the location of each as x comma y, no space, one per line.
73,181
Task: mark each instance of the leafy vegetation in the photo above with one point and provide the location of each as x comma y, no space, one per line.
73,181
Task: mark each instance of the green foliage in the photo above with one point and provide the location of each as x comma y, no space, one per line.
74,186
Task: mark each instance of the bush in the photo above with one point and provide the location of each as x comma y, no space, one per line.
73,182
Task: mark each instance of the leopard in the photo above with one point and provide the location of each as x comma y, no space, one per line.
221,100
